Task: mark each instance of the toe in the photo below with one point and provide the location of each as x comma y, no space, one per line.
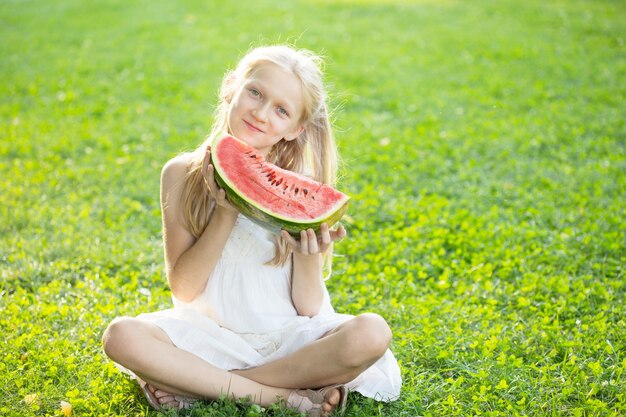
331,401
332,397
160,394
167,399
174,405
150,388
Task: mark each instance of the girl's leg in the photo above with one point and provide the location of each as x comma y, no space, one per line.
337,358
146,350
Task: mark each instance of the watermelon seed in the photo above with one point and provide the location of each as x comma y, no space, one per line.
297,189
305,191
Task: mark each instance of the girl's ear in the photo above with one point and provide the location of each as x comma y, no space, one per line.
227,87
293,135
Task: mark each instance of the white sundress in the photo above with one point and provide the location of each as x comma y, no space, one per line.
245,316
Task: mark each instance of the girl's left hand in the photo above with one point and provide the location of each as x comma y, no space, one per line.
310,243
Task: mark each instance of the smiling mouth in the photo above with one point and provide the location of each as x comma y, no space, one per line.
253,127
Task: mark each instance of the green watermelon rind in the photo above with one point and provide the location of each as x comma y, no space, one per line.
273,222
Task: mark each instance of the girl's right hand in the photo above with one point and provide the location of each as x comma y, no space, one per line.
218,194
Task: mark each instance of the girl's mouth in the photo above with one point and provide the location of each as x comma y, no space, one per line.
252,127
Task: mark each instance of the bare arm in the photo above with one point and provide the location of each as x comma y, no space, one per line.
307,284
189,262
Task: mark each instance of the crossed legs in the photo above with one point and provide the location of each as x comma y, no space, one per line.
337,358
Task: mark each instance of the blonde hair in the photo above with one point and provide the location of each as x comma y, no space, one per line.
313,152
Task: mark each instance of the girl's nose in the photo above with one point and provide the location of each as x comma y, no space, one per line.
261,113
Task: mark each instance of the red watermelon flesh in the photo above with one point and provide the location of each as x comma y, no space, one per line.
273,197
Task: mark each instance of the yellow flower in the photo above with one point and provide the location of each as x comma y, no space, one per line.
66,408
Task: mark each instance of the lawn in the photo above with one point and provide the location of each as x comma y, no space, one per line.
483,145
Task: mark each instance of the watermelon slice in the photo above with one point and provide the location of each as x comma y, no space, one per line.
271,196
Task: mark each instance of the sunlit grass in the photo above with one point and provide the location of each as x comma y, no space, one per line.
483,147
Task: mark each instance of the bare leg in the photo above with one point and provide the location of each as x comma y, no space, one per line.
146,350
165,398
339,357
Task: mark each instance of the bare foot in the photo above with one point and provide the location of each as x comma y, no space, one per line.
163,399
166,399
321,402
331,400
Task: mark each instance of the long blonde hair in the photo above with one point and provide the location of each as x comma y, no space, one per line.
312,153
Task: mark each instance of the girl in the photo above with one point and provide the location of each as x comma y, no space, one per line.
252,316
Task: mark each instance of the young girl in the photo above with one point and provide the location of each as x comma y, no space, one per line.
252,316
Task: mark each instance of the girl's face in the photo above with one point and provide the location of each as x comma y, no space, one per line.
267,108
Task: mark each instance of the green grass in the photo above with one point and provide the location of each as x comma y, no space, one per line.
483,144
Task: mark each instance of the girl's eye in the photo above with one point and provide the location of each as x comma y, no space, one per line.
255,92
283,112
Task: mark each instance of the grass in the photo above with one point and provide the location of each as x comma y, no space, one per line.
483,145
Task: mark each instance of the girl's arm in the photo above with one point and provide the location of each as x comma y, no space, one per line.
189,262
307,283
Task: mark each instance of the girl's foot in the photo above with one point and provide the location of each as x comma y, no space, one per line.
159,399
320,402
